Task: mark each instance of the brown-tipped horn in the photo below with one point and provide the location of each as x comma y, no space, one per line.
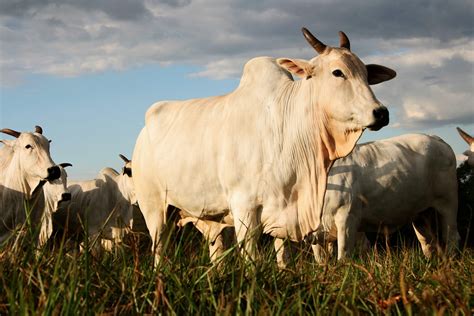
38,129
344,40
313,41
124,158
10,132
65,164
468,138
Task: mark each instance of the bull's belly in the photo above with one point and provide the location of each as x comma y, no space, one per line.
390,217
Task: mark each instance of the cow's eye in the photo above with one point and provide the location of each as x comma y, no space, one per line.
28,146
338,73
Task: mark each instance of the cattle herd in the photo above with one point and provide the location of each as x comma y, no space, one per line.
275,156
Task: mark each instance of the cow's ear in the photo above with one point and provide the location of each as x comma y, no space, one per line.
297,67
6,142
377,73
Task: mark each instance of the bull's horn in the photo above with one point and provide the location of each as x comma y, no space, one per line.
313,41
124,158
65,164
10,132
468,138
344,40
38,129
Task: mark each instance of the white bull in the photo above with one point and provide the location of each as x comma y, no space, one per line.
470,141
261,153
103,206
25,165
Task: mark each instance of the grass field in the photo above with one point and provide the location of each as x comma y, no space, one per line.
394,281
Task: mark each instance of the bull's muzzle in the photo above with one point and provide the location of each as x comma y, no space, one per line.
53,173
381,118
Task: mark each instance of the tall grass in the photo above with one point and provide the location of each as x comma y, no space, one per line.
400,281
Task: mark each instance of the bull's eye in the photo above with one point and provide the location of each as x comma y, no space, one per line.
28,146
338,73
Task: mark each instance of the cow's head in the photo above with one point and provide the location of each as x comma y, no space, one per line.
470,141
128,189
56,190
338,82
31,154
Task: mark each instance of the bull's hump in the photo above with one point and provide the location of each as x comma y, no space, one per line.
261,72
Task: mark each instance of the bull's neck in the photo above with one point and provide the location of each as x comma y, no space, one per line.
304,152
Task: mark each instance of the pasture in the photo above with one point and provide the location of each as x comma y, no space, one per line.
391,278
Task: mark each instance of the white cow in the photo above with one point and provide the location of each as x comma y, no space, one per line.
25,163
261,153
55,192
470,141
104,206
387,184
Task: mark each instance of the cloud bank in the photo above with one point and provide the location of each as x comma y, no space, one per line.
429,43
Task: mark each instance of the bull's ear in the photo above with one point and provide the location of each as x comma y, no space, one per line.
377,73
7,142
297,67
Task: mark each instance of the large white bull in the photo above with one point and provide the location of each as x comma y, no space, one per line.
470,142
261,153
25,165
104,206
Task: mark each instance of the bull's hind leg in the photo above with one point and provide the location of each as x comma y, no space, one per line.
449,230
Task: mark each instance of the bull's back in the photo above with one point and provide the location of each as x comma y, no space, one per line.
195,150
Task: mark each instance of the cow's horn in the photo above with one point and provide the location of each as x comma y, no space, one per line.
468,138
344,40
10,132
313,41
124,158
38,129
65,164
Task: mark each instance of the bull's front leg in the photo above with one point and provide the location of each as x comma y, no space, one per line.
247,226
346,234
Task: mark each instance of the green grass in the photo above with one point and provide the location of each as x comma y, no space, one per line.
53,281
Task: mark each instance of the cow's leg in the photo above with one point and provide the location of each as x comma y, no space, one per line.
323,251
154,215
424,233
346,225
449,228
247,228
283,252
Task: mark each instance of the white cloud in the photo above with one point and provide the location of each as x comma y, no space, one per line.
432,48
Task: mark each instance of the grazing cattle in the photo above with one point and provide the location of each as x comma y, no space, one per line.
25,164
470,141
102,206
261,153
55,192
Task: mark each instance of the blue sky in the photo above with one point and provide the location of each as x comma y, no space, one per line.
86,71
